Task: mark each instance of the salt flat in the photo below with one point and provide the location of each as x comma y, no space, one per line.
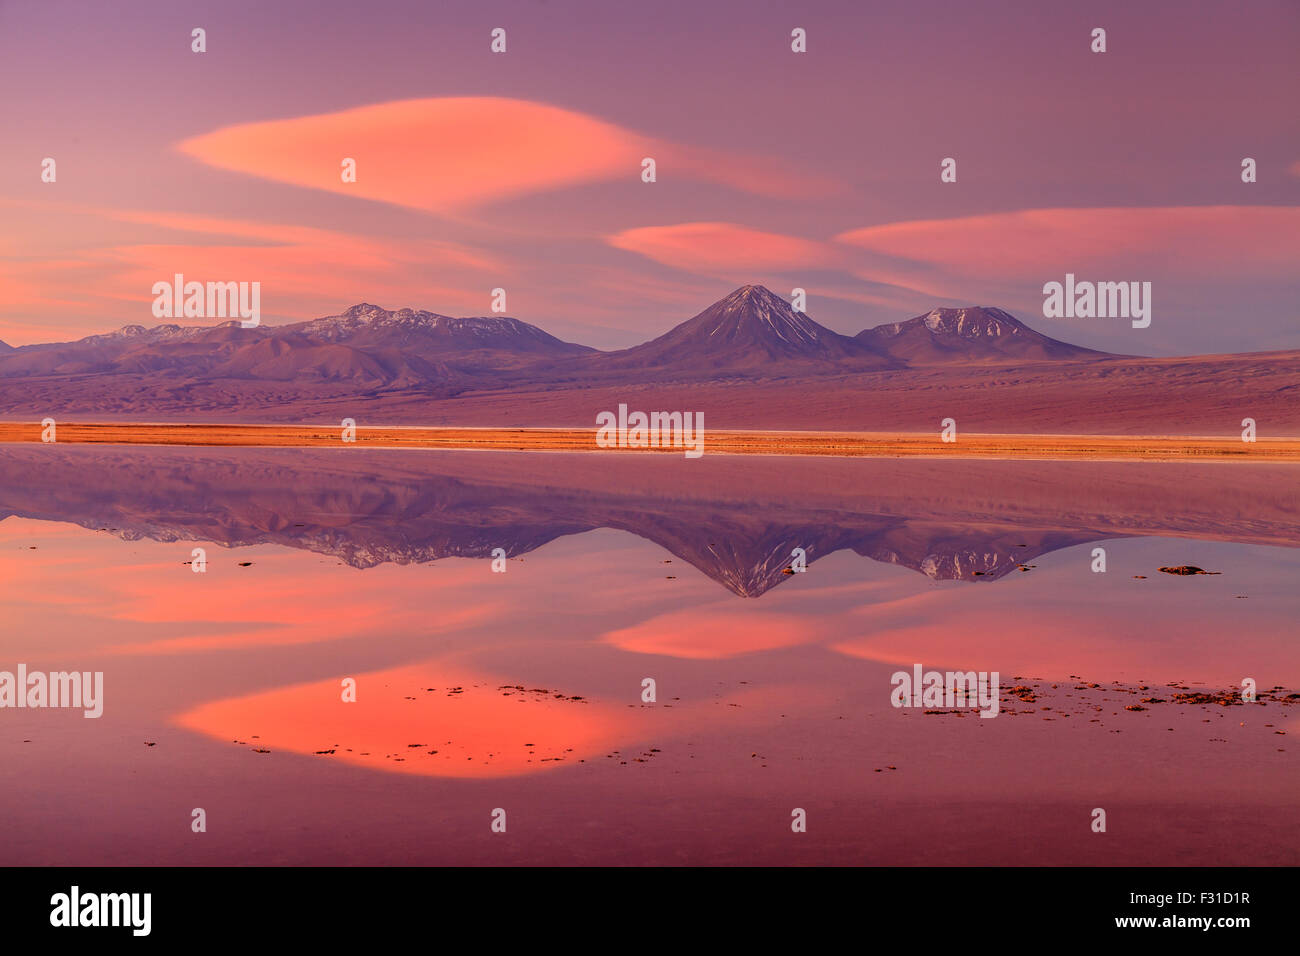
726,442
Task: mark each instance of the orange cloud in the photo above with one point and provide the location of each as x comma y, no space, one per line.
724,246
223,609
951,258
712,634
1234,241
479,730
440,719
304,271
759,175
1120,643
450,153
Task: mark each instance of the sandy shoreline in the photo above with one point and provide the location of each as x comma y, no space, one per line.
728,442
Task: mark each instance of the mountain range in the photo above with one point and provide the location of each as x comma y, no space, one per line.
367,345
749,360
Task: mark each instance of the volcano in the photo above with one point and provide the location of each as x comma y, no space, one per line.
969,335
747,330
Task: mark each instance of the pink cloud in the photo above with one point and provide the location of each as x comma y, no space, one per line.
467,722
376,730
304,271
1121,644
1232,241
451,153
225,613
724,246
711,634
995,255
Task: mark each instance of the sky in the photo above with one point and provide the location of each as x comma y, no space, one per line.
522,170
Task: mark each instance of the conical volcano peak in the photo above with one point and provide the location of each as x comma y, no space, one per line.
754,297
757,310
750,327
753,292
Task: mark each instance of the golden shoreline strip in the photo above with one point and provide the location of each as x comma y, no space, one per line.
730,441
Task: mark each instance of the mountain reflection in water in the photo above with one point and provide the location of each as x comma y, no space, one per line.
737,520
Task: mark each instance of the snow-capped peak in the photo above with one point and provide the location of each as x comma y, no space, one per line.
760,305
970,322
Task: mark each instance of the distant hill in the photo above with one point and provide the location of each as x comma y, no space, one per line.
366,346
368,326
977,334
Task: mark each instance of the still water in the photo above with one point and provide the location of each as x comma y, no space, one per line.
525,690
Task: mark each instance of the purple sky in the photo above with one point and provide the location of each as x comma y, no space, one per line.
774,167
